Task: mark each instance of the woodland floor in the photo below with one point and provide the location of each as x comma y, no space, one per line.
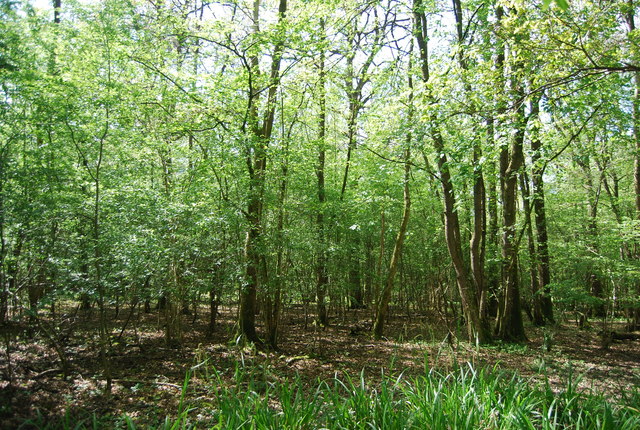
148,375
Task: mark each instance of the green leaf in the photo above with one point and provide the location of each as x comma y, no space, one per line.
562,4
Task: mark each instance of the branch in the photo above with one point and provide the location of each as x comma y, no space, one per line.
572,138
425,168
167,77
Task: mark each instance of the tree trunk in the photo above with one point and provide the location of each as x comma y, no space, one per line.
322,278
510,326
4,284
593,192
469,299
354,94
97,255
256,160
477,243
214,303
542,253
356,295
273,301
536,308
214,296
492,277
635,313
57,10
378,280
383,302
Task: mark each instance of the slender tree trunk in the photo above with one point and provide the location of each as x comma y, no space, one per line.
4,284
354,109
492,278
469,299
322,277
509,325
273,299
536,308
10,273
383,302
104,324
593,191
354,85
540,216
256,166
214,294
478,241
378,280
248,293
356,297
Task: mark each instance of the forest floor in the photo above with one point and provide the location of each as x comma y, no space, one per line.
148,376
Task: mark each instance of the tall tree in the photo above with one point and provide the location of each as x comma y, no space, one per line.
468,295
322,278
631,24
477,248
382,308
509,324
257,133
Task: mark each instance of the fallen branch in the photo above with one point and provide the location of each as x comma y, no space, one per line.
46,372
624,336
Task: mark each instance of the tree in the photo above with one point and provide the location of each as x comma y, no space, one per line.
257,133
382,308
468,295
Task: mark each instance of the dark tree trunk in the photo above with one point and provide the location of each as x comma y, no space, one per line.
322,278
492,279
635,312
214,296
540,216
273,300
57,10
510,326
383,302
356,295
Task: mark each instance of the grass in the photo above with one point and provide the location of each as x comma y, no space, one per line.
467,398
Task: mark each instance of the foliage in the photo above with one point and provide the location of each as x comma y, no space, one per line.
127,139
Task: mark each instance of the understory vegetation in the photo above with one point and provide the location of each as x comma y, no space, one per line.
335,377
466,398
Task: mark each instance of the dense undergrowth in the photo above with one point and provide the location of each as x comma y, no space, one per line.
466,398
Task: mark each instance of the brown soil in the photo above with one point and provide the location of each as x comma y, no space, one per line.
148,375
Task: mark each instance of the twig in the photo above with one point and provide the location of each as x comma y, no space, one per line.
133,381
